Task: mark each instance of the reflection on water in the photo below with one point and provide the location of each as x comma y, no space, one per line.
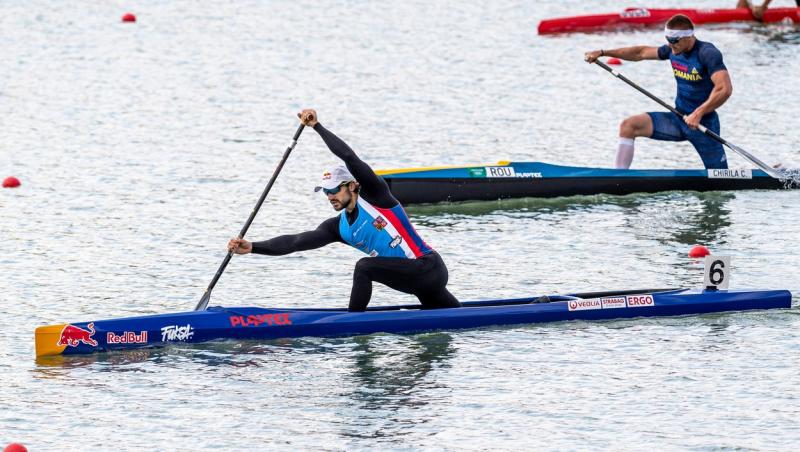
706,222
212,354
687,217
421,212
391,372
779,34
389,379
547,205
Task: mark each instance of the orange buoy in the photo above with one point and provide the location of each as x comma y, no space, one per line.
11,182
128,17
15,447
699,251
614,61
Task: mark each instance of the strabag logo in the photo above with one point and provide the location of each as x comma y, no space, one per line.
177,333
730,174
613,302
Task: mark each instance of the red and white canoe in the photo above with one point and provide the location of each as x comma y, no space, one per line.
641,17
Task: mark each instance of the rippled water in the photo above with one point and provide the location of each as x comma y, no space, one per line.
142,148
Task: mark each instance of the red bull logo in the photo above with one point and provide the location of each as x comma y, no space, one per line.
261,319
326,175
72,335
127,337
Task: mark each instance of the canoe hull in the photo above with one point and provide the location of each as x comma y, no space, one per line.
643,17
540,180
242,323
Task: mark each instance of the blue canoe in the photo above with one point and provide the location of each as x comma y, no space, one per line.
542,180
220,323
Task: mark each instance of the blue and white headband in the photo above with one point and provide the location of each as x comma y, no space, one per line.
670,33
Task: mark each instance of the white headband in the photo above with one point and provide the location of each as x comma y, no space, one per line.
670,33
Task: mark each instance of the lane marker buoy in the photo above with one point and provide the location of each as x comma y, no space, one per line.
11,182
699,251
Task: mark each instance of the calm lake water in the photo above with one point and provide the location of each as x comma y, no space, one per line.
142,148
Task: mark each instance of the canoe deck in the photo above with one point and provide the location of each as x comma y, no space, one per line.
505,180
238,323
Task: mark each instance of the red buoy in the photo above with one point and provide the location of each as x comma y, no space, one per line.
128,17
614,61
699,251
11,182
15,447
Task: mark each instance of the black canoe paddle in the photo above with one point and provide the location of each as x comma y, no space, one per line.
755,161
203,303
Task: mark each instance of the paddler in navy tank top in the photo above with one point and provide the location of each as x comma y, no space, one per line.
703,86
372,221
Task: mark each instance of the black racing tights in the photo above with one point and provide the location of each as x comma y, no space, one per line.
425,277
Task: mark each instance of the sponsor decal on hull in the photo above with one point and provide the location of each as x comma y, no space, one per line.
177,332
627,301
640,301
639,12
730,174
613,302
127,337
72,335
583,305
509,171
260,320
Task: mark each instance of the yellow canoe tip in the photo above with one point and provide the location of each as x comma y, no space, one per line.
48,338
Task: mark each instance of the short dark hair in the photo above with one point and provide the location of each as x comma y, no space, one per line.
680,22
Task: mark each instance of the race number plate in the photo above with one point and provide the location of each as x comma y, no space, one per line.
717,272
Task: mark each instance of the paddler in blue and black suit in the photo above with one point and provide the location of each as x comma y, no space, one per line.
703,86
372,221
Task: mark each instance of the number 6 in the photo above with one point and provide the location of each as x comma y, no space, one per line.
716,275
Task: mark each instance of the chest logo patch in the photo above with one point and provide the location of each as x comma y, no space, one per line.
379,223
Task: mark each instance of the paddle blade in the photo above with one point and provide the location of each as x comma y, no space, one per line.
203,303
